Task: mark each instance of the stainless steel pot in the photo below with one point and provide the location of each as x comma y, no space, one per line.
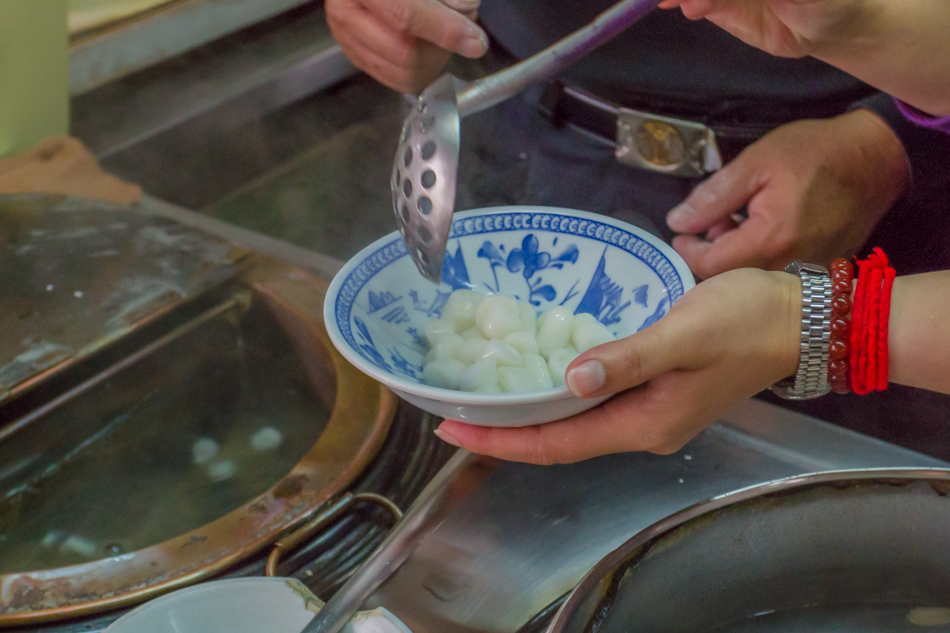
126,341
865,550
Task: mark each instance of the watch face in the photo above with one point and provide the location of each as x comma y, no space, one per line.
799,266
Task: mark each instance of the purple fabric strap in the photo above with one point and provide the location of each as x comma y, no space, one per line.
923,119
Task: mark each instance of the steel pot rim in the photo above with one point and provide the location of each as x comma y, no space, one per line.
617,557
358,425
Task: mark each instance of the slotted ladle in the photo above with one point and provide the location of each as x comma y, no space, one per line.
425,171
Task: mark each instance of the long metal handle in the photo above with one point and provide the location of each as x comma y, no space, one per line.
460,475
492,90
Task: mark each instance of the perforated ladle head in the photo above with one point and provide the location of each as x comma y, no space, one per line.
425,175
425,171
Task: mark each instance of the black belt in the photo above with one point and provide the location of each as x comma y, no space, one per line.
680,146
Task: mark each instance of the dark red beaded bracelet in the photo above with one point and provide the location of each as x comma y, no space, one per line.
839,349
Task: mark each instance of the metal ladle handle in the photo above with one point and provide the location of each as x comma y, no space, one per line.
492,90
462,474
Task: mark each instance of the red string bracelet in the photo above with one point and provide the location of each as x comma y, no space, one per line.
868,356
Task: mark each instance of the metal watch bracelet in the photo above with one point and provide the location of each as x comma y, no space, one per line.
811,379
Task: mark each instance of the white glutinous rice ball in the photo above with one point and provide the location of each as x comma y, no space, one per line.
204,450
471,349
447,346
53,538
222,471
558,360
529,317
444,373
435,329
460,308
470,333
588,332
517,380
497,316
524,342
74,544
539,369
501,352
481,377
554,328
266,438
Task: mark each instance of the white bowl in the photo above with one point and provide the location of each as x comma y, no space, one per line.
378,302
243,605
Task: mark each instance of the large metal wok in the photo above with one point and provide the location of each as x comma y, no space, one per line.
865,550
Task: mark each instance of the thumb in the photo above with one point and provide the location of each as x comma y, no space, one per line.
620,365
719,196
465,7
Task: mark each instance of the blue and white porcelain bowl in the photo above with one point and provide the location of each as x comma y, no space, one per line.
377,304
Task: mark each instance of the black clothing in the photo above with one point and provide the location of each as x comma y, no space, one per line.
672,66
668,60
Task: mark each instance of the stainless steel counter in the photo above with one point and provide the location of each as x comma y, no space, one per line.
529,533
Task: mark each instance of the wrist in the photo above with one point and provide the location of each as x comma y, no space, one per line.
855,27
877,144
838,353
789,317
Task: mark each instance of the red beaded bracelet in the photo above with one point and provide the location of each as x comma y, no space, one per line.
868,355
842,274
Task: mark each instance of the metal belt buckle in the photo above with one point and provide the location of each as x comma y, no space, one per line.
671,146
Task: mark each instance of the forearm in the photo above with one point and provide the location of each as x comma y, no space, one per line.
919,331
899,46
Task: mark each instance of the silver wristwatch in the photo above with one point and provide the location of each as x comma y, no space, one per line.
811,379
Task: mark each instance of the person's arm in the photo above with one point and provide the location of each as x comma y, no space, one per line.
899,46
725,340
919,335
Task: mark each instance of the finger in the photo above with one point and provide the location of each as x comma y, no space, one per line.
719,196
696,9
396,77
465,7
434,22
619,365
722,227
618,425
423,60
738,248
386,42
